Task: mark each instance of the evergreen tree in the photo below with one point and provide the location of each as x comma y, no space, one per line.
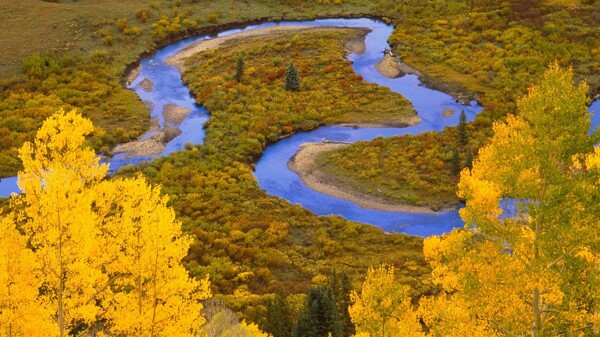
340,284
239,71
463,136
320,316
292,78
456,167
277,318
469,159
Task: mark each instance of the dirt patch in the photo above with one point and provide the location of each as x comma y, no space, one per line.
168,134
356,46
175,114
448,112
178,59
388,66
146,147
303,163
405,69
147,85
151,146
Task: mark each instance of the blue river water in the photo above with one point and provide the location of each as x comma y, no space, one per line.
272,172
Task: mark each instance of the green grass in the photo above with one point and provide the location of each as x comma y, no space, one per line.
248,115
395,170
237,227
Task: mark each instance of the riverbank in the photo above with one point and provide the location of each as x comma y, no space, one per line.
304,164
154,141
390,122
178,60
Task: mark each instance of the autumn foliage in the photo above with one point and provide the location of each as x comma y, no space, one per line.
526,262
81,254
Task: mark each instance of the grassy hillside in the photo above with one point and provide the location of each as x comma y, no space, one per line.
81,27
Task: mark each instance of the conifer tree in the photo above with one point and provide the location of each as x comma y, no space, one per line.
320,317
292,78
456,167
469,158
278,319
340,284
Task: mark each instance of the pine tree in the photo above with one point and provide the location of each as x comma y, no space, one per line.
340,284
278,319
320,317
239,71
469,158
456,167
463,135
292,78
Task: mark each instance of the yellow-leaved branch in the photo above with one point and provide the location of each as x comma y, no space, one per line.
91,255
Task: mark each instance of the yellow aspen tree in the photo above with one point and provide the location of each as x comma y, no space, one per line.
252,330
22,312
527,263
58,219
383,307
106,254
153,293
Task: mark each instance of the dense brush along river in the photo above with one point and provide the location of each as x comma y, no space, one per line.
272,172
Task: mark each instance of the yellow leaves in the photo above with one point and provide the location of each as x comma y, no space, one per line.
252,330
59,148
592,162
517,269
22,313
450,317
383,305
440,251
148,264
586,254
102,251
483,199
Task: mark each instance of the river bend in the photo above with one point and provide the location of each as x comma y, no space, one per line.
272,172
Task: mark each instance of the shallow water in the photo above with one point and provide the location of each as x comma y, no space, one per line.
272,172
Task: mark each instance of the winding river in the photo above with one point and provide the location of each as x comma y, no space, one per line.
272,172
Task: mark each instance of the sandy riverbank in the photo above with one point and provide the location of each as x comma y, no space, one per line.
147,85
151,146
356,46
175,114
388,66
303,163
154,144
178,60
399,122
